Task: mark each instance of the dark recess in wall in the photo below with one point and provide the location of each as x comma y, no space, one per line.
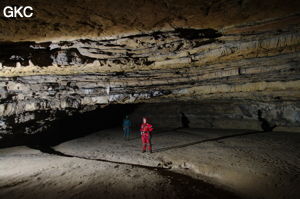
12,52
190,34
70,127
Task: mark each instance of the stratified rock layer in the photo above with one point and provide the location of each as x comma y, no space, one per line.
252,65
64,20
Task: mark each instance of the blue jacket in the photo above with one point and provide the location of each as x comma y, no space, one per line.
126,123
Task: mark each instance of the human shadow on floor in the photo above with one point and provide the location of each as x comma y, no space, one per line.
159,133
156,133
207,140
184,120
264,124
187,186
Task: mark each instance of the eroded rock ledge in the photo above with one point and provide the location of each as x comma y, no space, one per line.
256,62
155,48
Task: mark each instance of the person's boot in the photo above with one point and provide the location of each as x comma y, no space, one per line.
144,149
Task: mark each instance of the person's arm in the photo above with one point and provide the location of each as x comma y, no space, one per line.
150,128
142,129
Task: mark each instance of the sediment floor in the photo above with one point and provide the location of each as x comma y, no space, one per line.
185,163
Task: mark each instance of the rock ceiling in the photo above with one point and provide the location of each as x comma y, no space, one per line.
75,54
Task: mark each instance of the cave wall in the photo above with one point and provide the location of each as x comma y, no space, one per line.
214,55
220,115
53,127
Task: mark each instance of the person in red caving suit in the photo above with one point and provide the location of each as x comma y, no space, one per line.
146,129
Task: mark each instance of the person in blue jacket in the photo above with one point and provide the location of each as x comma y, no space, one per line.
126,127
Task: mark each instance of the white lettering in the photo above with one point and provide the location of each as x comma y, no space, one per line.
8,12
18,11
30,13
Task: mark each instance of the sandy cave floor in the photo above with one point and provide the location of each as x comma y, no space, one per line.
185,163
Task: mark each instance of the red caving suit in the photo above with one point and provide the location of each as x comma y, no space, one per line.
146,137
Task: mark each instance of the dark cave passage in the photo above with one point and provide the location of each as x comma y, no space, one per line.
66,127
52,128
81,124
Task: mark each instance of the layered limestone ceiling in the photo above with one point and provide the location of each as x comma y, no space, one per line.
63,19
79,55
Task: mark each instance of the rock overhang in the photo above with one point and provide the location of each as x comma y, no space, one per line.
60,20
164,51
